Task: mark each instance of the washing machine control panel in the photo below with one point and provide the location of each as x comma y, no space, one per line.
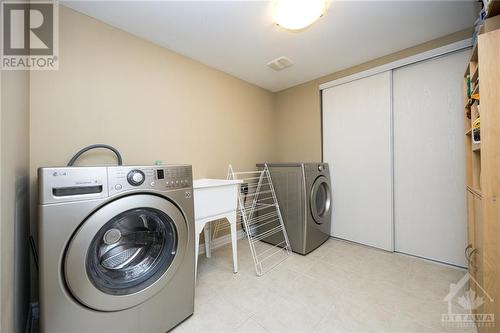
135,177
161,177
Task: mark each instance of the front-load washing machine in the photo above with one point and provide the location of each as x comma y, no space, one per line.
116,248
304,196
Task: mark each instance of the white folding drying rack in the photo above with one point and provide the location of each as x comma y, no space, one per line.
260,213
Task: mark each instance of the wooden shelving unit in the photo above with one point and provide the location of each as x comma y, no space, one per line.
483,172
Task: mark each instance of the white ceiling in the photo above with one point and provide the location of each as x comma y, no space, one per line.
239,37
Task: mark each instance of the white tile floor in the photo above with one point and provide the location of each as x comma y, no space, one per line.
340,287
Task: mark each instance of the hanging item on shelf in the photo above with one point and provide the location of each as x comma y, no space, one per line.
259,210
476,131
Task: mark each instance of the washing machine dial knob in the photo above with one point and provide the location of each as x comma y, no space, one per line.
320,167
135,177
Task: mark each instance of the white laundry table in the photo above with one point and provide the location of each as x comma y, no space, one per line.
215,199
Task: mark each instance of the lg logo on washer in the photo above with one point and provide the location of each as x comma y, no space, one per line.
30,35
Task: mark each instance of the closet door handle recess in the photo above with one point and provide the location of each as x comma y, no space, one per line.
471,253
469,260
469,247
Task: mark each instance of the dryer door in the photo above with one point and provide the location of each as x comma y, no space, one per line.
125,252
320,200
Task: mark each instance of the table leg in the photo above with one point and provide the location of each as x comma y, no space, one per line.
196,249
234,241
206,231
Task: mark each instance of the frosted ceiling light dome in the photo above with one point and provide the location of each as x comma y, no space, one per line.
297,14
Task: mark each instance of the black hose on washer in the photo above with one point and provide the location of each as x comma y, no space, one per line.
96,146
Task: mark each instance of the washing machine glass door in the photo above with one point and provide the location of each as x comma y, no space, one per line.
320,200
125,252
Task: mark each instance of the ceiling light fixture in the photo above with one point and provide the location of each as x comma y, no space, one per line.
297,14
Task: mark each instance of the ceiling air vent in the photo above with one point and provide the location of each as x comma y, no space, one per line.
280,63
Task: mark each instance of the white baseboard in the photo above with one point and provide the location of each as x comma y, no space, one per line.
221,241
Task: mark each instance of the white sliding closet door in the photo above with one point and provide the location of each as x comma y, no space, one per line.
429,184
357,146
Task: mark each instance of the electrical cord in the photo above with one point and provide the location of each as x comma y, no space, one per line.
96,146
34,251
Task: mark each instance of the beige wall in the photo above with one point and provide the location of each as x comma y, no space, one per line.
14,195
154,104
150,103
298,117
